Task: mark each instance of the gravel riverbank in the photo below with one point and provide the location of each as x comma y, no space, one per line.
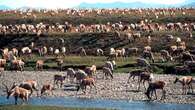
106,89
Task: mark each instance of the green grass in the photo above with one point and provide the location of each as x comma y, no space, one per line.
80,61
124,65
30,107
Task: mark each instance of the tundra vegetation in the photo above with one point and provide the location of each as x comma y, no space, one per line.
86,42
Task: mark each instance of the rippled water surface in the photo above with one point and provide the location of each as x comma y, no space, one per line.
99,103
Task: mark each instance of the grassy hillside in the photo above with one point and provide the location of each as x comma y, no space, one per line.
90,41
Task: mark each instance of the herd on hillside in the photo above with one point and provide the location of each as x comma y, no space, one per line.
12,58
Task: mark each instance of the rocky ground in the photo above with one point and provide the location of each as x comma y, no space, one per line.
106,89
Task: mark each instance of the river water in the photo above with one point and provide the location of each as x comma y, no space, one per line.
99,103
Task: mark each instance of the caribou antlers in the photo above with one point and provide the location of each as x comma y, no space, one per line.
16,92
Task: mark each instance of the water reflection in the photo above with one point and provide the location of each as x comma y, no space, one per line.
98,103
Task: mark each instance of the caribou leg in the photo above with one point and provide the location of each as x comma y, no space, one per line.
139,84
151,94
183,89
16,100
191,88
128,79
155,93
61,84
163,94
144,84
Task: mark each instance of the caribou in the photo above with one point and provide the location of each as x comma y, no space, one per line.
18,92
86,82
59,78
186,81
153,86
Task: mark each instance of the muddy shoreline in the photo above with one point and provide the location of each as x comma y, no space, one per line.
117,89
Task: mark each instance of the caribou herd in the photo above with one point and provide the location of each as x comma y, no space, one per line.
131,28
15,58
88,76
